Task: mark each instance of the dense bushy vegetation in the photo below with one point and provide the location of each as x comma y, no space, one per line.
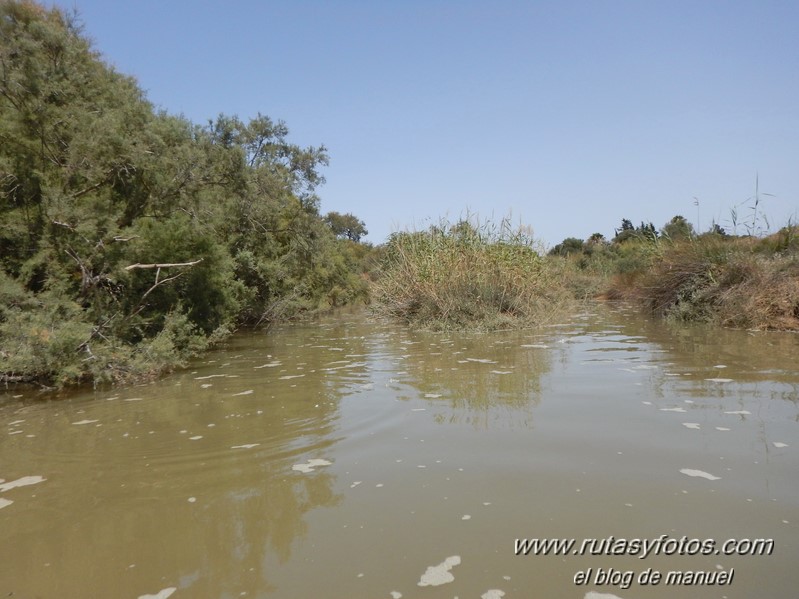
131,238
481,276
737,281
468,276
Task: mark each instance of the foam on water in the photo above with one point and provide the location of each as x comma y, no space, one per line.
310,465
693,425
440,574
21,482
699,473
162,594
85,421
492,594
5,503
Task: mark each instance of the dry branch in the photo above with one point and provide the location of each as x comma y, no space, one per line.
132,266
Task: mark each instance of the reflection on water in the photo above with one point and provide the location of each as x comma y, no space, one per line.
352,458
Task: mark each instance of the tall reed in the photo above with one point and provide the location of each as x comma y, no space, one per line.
468,275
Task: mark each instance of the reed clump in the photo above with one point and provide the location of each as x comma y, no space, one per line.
740,282
469,276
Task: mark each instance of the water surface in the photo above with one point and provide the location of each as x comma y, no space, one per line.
353,458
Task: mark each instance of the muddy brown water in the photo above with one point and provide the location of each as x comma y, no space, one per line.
356,459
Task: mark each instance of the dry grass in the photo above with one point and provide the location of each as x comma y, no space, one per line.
468,277
731,282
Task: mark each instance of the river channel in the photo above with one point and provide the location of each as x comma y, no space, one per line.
353,458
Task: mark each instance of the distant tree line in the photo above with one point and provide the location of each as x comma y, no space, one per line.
678,228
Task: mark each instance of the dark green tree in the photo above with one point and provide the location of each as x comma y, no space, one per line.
570,245
346,226
626,232
678,228
717,229
647,231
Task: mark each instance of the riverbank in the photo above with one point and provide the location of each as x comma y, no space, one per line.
734,282
477,276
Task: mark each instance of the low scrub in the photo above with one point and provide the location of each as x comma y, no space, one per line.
739,282
468,276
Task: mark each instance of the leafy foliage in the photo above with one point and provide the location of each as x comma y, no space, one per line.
347,226
131,238
678,228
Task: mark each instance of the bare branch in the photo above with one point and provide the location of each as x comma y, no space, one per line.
157,283
134,266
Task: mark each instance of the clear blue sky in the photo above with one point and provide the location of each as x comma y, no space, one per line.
567,115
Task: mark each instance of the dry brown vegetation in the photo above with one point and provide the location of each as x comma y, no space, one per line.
736,282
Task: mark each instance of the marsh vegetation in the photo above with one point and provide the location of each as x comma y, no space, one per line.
738,281
132,239
469,275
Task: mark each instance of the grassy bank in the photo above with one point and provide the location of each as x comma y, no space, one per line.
476,276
